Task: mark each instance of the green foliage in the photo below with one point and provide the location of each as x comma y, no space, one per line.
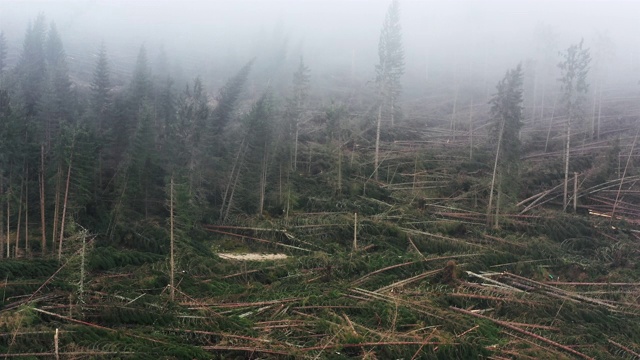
11,269
391,54
105,258
31,67
228,98
574,68
100,90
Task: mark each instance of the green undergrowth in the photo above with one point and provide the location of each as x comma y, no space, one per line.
414,260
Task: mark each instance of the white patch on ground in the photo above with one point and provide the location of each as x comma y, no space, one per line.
252,256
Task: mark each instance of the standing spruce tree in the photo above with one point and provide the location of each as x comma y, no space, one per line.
100,89
296,104
506,112
574,68
141,86
59,95
389,70
186,127
31,68
258,135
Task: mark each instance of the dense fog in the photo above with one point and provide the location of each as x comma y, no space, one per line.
443,40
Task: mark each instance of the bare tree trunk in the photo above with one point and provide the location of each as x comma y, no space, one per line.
471,130
172,290
230,184
56,346
295,148
415,174
42,199
393,112
2,217
27,248
310,161
9,221
17,242
280,194
233,190
339,169
64,206
544,88
495,171
592,130
566,165
82,268
263,180
624,174
535,95
355,232
599,114
496,220
553,112
56,210
453,115
575,192
288,207
377,154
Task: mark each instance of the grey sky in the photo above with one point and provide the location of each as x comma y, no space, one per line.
333,33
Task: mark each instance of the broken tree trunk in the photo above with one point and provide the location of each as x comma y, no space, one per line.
16,248
56,210
377,154
64,206
43,228
172,261
493,177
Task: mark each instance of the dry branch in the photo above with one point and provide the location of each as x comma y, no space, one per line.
409,280
257,239
493,298
381,343
71,354
92,325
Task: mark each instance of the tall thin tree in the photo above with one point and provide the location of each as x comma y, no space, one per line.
389,70
506,111
574,68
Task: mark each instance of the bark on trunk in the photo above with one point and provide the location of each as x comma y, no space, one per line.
64,206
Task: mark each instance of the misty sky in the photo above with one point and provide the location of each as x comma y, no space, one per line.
331,34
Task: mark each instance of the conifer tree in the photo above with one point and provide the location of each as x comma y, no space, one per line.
192,112
59,104
227,99
100,89
506,112
296,106
31,68
140,87
259,126
389,70
574,68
